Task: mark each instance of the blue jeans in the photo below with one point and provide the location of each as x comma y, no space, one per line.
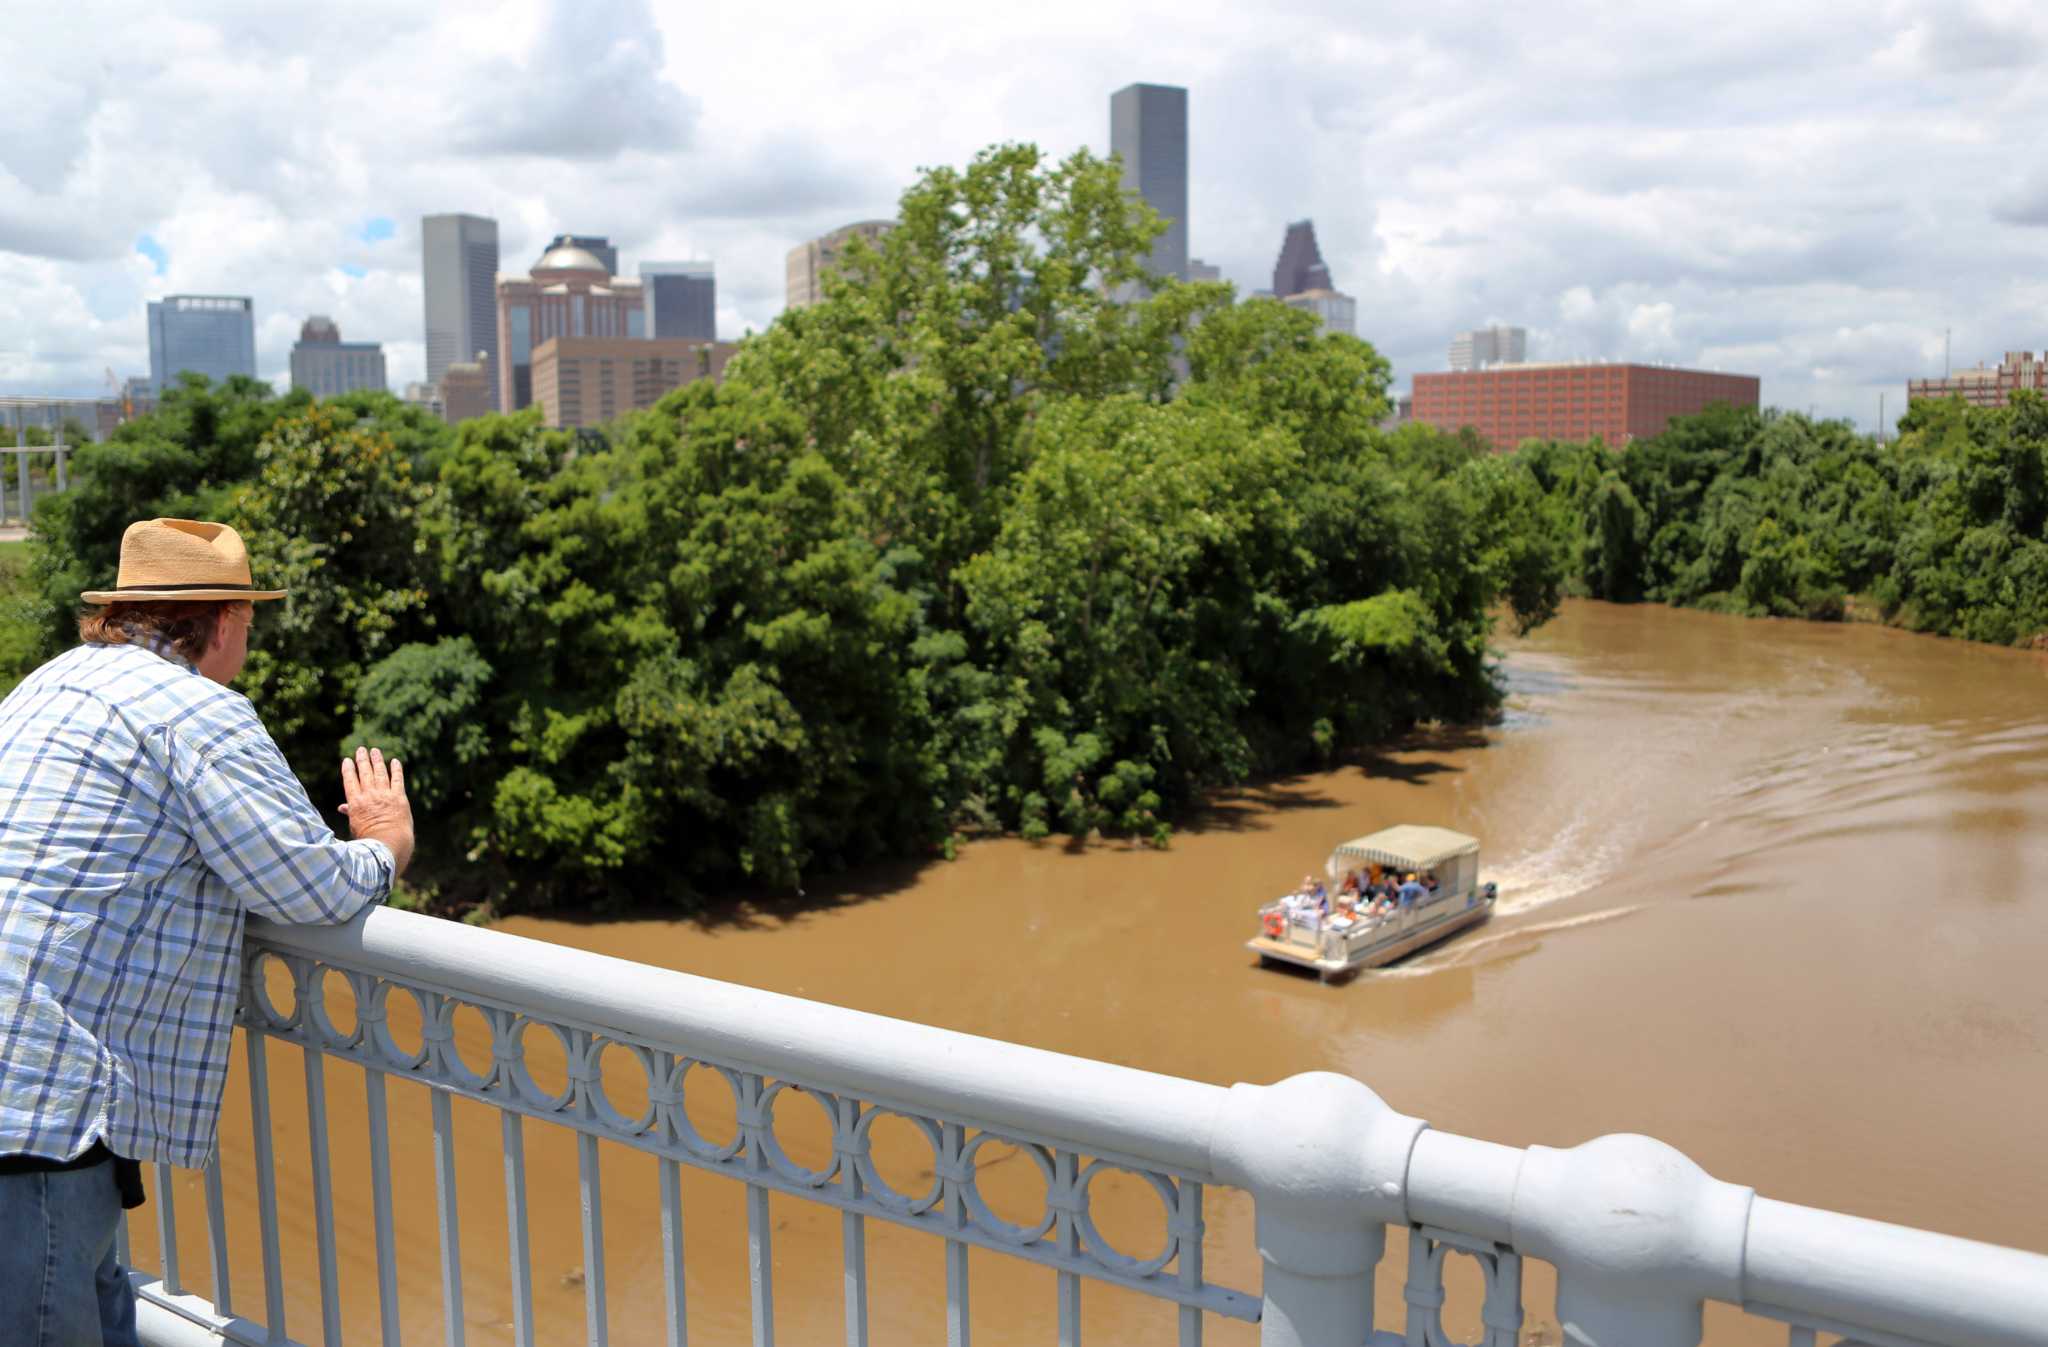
59,1283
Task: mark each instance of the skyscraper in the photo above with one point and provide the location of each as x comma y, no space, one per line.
681,298
807,265
597,245
325,365
569,294
214,335
1148,128
459,268
1339,312
1300,268
1484,346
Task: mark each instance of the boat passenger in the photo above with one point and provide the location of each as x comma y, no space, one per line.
1411,892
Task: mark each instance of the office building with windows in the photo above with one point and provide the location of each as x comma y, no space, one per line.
587,381
1148,130
568,294
459,270
1338,312
214,335
466,389
1986,386
681,299
1507,404
1485,346
808,264
326,366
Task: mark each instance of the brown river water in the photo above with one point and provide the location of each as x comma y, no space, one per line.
1775,893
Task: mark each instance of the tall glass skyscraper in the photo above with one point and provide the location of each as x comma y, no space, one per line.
1148,127
681,299
214,335
459,269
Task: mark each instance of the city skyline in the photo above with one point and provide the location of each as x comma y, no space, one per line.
1754,223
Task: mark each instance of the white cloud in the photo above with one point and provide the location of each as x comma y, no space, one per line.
1810,194
1650,328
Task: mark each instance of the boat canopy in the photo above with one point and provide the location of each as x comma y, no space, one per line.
1408,846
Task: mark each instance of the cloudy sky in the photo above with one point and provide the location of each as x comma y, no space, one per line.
1808,192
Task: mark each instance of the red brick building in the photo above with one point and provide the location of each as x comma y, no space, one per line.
1981,387
1507,404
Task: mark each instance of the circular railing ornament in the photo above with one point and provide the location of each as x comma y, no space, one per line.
771,1145
600,1095
373,1009
1101,1251
259,990
675,1108
984,1216
878,1187
512,1061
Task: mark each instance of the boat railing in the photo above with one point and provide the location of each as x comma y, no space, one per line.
1640,1238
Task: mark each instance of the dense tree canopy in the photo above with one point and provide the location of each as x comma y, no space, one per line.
1000,535
1769,513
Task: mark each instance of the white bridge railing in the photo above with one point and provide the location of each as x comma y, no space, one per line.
1638,1235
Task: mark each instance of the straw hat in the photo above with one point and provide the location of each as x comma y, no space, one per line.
182,559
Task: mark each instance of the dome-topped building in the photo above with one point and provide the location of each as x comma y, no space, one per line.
571,294
568,258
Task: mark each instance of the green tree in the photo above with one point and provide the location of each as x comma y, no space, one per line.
332,516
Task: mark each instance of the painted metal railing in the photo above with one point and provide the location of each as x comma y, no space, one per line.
1638,1235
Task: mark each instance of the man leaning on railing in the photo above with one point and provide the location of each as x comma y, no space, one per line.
143,811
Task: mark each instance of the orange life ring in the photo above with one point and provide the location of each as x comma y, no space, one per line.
1276,924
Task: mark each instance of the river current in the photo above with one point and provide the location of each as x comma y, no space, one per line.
1773,892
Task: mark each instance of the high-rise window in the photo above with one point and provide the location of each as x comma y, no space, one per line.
522,335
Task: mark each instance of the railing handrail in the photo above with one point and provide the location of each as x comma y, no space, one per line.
1640,1236
1096,1106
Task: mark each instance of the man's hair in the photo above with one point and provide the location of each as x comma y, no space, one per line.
187,625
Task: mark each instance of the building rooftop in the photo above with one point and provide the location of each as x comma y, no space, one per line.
569,258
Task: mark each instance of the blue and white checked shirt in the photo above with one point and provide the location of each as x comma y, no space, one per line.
143,810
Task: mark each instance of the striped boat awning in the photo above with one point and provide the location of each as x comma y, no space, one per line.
1408,846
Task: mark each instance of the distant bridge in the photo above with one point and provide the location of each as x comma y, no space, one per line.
1638,1237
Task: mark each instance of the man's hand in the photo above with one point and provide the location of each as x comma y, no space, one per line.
377,807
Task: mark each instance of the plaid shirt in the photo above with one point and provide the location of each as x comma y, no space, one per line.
143,810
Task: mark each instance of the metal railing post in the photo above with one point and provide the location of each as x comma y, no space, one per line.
1326,1163
1640,1235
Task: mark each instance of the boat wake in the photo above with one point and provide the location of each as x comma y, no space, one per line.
1567,867
1460,952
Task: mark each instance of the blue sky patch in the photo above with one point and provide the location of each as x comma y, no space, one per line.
351,269
154,251
376,229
